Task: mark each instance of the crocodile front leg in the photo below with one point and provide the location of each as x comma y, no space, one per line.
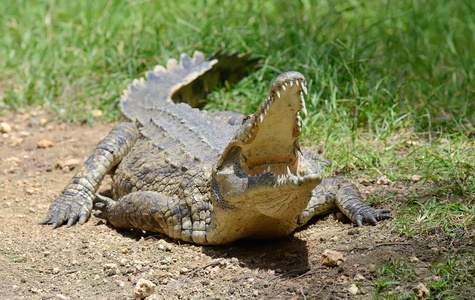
338,192
184,219
75,202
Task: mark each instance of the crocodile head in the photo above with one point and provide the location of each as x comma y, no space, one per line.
262,168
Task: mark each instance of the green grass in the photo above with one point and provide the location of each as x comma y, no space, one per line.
391,83
376,65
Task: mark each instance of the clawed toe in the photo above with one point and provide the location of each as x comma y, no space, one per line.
102,203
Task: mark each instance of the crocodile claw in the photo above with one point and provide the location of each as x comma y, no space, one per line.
372,216
102,203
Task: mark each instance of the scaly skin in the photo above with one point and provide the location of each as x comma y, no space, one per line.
208,179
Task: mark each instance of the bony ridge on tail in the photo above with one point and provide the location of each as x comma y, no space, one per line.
202,178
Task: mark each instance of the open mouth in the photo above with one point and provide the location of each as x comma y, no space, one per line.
270,144
265,153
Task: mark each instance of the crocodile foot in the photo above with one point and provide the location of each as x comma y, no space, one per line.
68,207
371,215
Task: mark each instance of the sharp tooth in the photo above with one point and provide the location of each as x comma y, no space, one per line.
268,169
303,109
278,93
288,171
261,117
304,88
291,83
283,87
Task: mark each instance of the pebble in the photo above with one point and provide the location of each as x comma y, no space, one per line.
353,289
5,127
110,266
43,121
97,113
383,180
144,288
332,258
123,262
15,141
364,181
24,133
44,144
70,164
416,178
421,291
358,277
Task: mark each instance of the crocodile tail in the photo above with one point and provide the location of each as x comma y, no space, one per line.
188,80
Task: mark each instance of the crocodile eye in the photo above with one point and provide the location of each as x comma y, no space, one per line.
245,119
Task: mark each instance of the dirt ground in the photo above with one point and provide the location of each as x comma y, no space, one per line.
95,261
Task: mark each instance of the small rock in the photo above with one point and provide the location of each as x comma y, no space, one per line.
364,181
55,270
110,266
332,258
415,178
30,191
214,270
43,121
414,259
358,277
15,141
5,127
144,288
414,143
353,289
62,297
68,165
24,133
123,262
97,113
184,270
334,239
421,291
383,180
44,144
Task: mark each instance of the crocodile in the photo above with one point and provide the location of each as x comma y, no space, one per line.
206,178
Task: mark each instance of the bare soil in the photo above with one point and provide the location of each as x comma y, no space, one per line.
95,261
